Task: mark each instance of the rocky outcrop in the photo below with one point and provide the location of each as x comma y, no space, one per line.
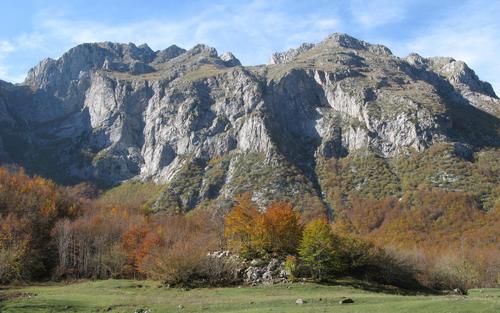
208,127
265,272
287,56
229,59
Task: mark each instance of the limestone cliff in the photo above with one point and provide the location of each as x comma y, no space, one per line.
207,127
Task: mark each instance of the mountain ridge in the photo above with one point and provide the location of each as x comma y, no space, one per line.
208,127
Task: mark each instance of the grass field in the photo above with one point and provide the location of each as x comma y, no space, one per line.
127,296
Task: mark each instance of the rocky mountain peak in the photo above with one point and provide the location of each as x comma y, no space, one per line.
91,56
289,55
203,49
332,42
229,59
457,73
460,74
345,41
169,53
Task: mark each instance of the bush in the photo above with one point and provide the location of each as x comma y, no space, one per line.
356,253
178,265
291,267
452,272
388,266
7,261
219,270
114,261
178,251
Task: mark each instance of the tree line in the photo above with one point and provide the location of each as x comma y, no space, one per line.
432,238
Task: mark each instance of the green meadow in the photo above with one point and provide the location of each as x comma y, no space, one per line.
132,296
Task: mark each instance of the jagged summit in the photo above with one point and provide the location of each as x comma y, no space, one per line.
289,55
119,57
346,41
333,41
209,128
229,59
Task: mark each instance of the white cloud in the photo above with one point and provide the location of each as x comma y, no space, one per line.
252,31
260,24
469,33
375,13
6,48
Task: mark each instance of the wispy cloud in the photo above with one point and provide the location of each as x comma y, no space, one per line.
374,13
5,49
468,33
253,30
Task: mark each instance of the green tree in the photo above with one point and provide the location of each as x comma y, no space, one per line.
318,250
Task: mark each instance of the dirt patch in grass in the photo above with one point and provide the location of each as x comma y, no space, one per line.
15,295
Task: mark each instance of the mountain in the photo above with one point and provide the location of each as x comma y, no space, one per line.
205,127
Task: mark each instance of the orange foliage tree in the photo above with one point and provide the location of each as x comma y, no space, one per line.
240,225
279,229
250,232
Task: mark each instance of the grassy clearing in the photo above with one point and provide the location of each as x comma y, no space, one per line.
128,295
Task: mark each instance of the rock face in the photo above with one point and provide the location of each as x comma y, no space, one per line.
208,127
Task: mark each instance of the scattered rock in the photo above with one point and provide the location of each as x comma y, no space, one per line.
346,300
300,301
459,291
142,310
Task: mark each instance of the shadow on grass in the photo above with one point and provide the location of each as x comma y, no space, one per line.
412,288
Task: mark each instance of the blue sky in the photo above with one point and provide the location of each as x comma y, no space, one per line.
252,30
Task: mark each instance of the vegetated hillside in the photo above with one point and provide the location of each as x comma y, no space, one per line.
316,124
428,239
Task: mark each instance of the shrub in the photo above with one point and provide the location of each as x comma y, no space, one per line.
178,252
177,265
7,261
291,267
392,267
356,253
219,271
452,272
